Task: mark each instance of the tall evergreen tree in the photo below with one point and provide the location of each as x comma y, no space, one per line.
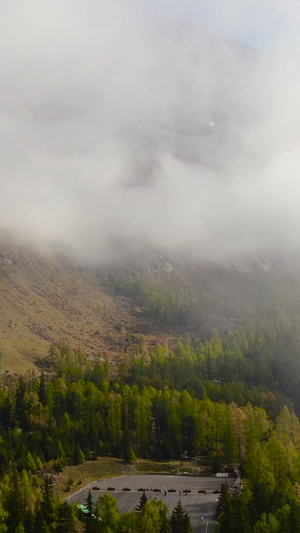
42,392
227,518
180,520
47,503
90,526
125,443
65,521
142,502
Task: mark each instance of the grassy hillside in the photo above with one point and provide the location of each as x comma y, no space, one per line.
45,299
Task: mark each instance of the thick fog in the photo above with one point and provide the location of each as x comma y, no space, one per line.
128,124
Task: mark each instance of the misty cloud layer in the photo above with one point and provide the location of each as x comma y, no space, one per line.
120,126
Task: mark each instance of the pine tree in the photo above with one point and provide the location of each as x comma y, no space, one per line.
14,504
125,443
78,455
142,502
227,519
180,520
47,504
7,414
295,517
89,518
42,392
65,521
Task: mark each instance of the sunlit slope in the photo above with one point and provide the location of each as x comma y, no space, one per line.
44,300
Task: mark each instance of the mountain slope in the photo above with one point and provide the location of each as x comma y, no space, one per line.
145,298
45,300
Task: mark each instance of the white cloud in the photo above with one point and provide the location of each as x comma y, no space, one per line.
105,131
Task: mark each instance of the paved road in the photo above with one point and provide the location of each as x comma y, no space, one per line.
207,527
196,504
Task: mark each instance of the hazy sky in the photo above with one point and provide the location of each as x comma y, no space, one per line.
122,123
260,24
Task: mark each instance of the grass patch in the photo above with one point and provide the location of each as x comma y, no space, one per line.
74,477
89,471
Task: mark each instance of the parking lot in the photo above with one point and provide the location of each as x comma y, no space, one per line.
169,488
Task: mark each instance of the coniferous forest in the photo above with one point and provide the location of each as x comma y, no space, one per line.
223,402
